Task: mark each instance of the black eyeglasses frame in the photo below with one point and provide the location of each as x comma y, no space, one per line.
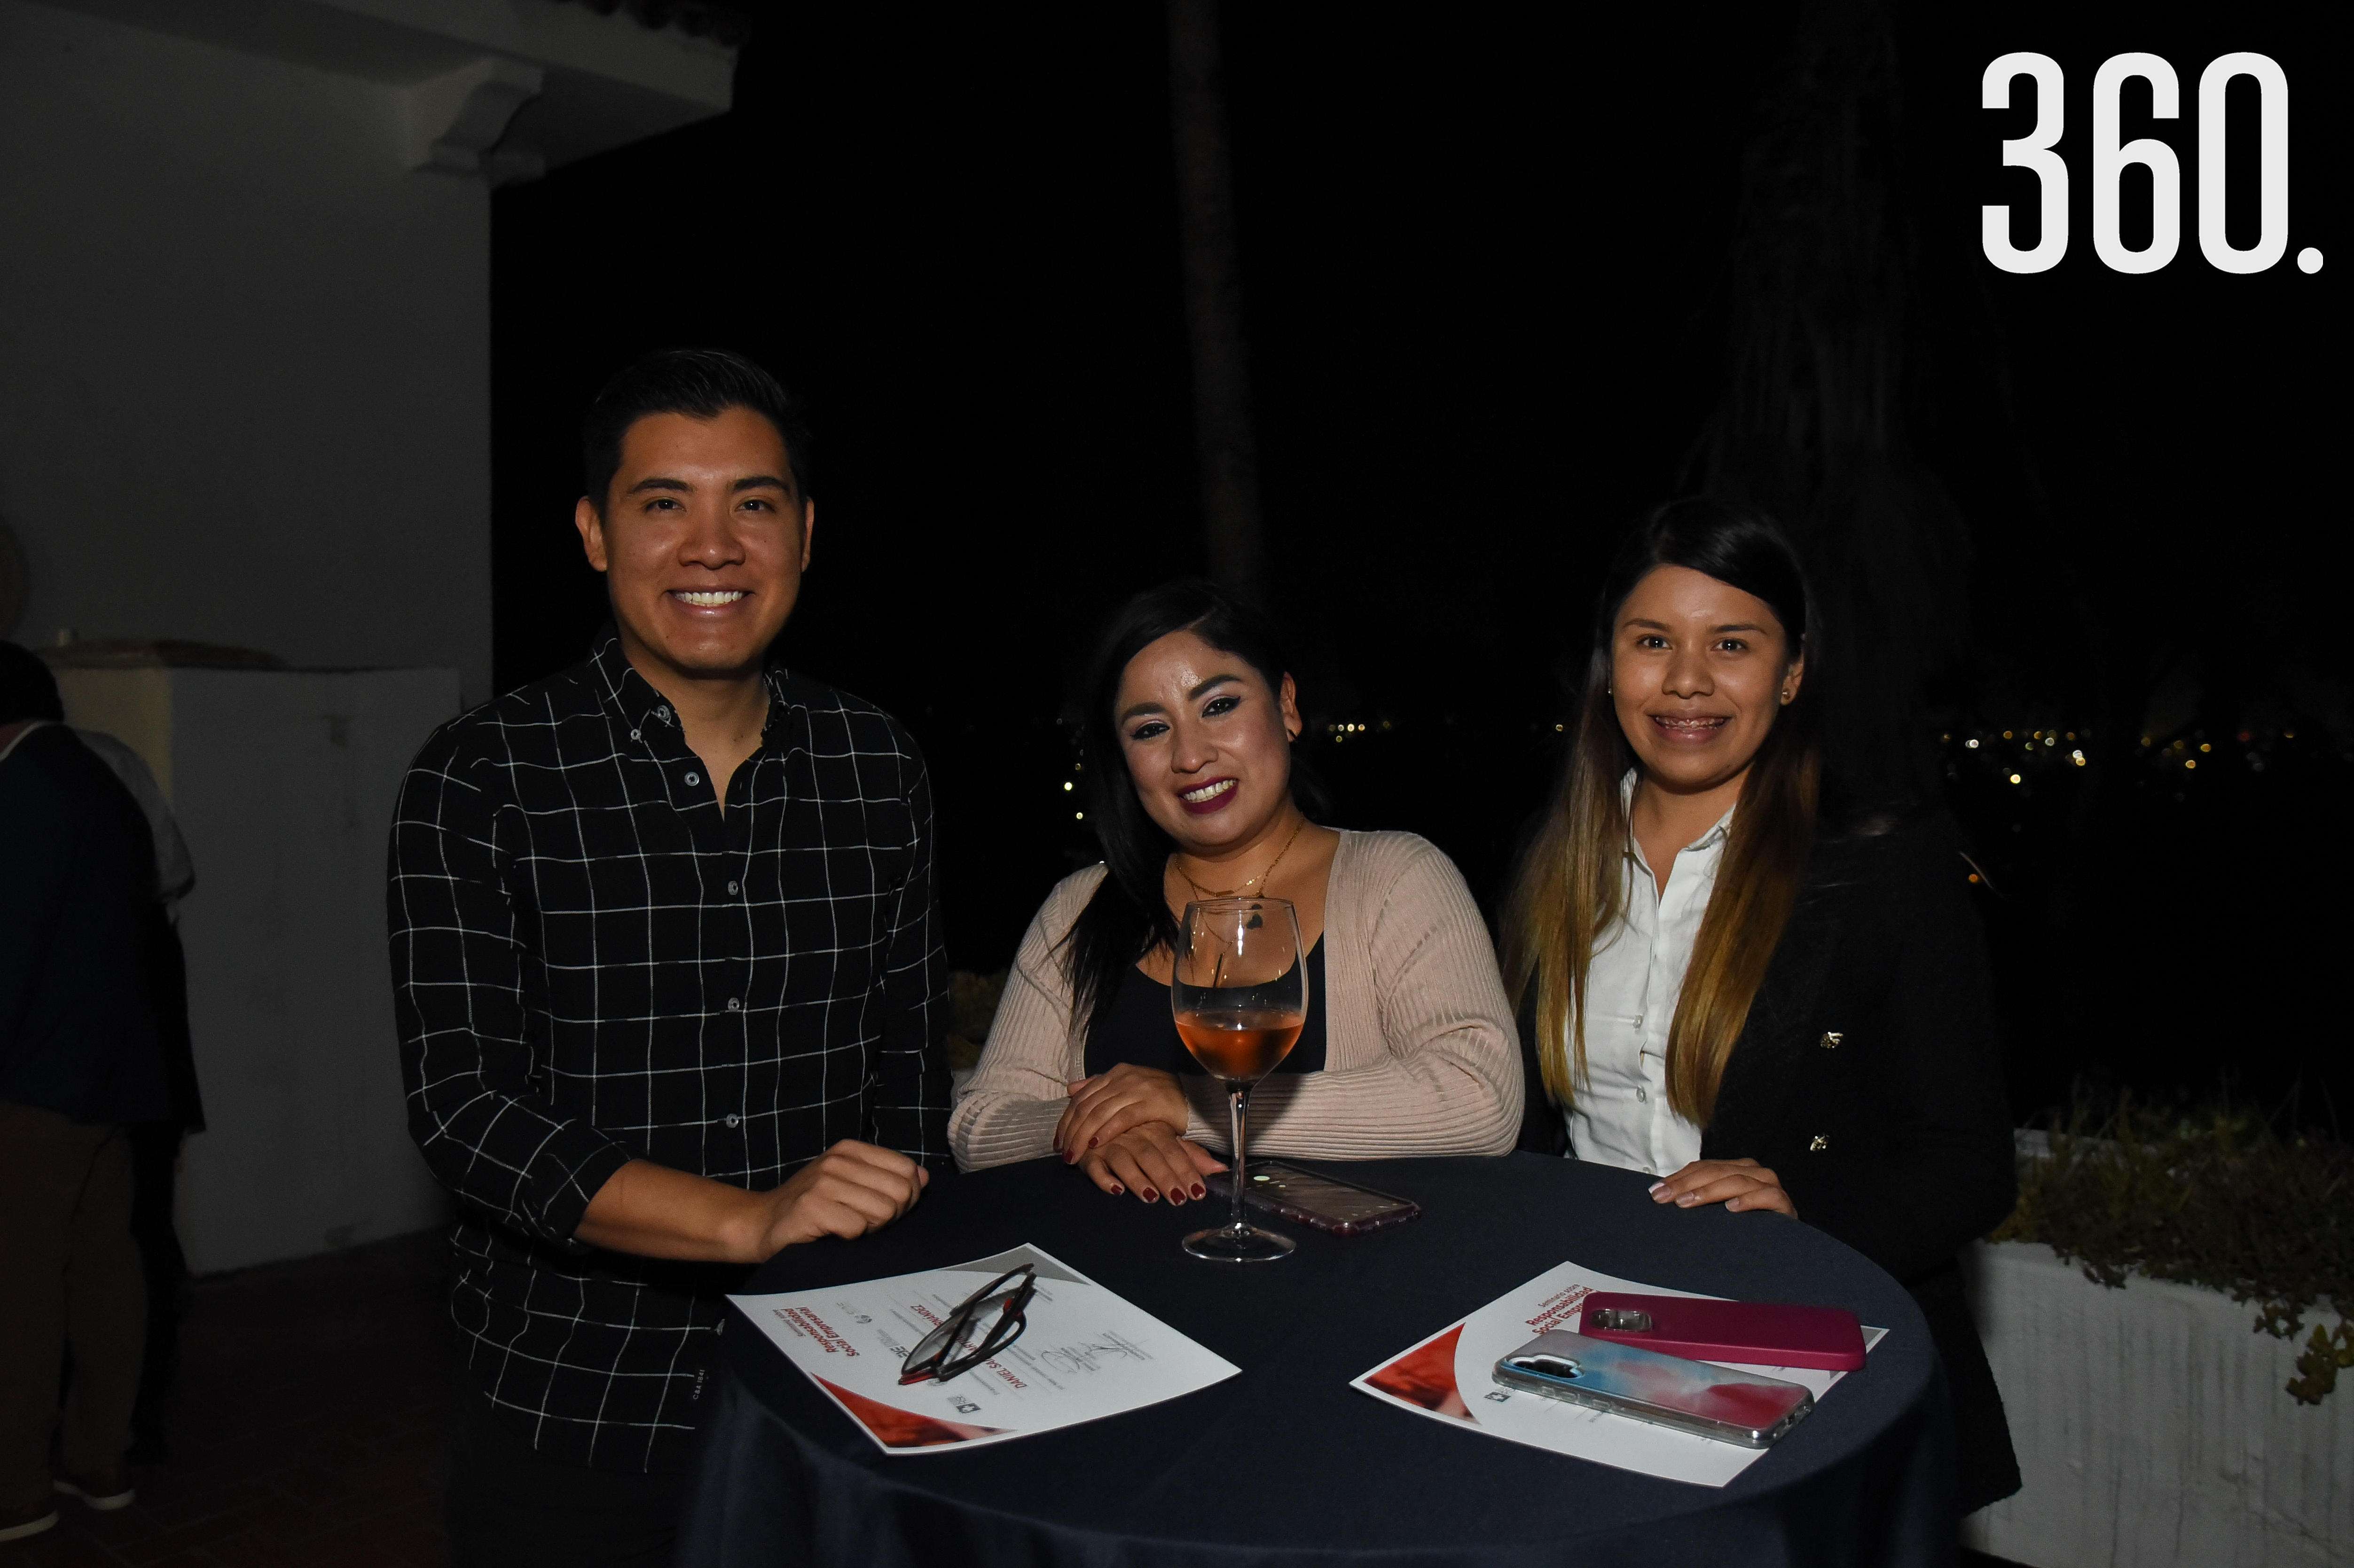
1010,1322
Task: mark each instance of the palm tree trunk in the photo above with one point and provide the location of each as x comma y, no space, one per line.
1214,313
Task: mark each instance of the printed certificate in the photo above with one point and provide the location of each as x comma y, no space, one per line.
1086,1354
1450,1376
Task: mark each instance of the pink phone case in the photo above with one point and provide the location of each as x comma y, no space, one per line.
1755,1333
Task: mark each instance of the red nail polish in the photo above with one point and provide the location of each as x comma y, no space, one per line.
1116,1189
1091,1143
1199,1190
1149,1196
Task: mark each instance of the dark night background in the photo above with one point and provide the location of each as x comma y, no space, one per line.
1508,282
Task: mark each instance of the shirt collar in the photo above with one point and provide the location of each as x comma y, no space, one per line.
646,710
18,739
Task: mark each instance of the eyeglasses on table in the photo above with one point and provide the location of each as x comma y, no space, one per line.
982,1325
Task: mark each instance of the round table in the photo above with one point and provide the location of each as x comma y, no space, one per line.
1287,1463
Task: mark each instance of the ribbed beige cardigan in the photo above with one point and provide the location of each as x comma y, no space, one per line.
1420,1055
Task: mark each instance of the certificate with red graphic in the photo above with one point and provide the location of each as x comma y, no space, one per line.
1084,1353
1450,1376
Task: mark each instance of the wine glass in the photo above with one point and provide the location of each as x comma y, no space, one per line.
1239,994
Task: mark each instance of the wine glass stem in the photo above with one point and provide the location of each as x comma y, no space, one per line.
1235,1099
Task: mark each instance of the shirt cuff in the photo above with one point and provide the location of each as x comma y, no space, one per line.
1208,1120
568,1171
1010,1130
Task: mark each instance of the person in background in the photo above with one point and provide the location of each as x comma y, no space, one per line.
1194,792
155,1145
79,1063
1764,995
667,973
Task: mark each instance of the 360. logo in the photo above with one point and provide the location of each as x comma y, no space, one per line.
2111,158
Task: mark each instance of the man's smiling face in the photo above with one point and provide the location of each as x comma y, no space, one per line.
703,536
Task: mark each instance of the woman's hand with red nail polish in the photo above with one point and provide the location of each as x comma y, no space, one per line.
1153,1163
1109,1104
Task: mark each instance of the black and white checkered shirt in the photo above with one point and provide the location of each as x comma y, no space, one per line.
591,964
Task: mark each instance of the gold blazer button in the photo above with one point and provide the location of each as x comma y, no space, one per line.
1830,1039
1818,1145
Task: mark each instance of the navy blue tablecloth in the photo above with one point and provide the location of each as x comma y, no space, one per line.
1288,1465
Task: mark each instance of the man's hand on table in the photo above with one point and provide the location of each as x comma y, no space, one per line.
1153,1163
655,1211
848,1191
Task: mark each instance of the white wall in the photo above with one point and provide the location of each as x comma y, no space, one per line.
284,784
244,355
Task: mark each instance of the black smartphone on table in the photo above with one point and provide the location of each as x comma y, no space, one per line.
1319,1201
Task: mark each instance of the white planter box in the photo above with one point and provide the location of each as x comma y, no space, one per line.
2151,1426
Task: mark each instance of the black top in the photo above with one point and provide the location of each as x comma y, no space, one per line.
1137,1027
76,883
1895,1136
591,964
1869,1079
1287,1465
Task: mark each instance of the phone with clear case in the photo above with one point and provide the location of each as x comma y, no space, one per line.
1322,1202
1746,1408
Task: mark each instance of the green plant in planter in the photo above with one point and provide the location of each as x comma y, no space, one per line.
2214,1198
2323,1355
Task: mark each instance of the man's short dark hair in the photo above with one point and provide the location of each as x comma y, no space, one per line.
701,382
27,689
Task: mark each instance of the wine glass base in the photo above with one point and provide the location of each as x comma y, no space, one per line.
1227,1244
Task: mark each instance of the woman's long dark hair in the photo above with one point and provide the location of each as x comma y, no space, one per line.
1573,885
1128,915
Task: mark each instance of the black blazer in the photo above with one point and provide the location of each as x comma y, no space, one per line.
1869,1079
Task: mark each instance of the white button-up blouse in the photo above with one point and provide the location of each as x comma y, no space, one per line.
1619,1114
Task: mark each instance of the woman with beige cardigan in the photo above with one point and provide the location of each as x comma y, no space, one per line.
1409,1046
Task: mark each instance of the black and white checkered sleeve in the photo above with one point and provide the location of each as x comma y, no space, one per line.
466,1057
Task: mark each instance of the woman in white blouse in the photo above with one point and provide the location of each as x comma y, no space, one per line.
1753,997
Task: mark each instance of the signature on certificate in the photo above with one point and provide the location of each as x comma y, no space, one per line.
1090,1357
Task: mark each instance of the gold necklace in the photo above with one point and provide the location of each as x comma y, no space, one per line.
1260,880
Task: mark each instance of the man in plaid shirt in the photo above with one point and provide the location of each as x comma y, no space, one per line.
667,968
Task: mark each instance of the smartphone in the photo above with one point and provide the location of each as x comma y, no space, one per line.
1746,1408
1760,1333
1319,1201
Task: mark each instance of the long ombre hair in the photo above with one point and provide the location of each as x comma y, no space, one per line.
1573,884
